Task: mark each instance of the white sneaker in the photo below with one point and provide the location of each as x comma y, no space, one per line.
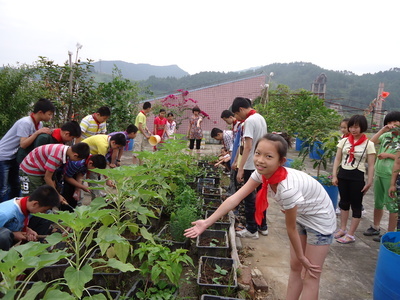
263,232
337,211
247,234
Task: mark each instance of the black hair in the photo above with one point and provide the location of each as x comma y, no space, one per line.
345,120
215,131
146,105
239,102
119,139
131,128
104,111
82,149
73,128
226,114
162,110
359,120
43,105
99,161
392,117
196,108
170,114
282,143
46,196
224,148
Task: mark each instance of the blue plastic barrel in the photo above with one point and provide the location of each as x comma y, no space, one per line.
333,193
316,151
387,279
288,163
129,146
299,144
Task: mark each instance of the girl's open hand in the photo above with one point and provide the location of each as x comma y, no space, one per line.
196,230
310,269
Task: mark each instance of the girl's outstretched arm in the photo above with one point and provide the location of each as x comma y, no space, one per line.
229,204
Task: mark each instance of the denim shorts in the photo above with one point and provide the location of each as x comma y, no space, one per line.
314,237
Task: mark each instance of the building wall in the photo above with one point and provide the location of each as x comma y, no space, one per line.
214,99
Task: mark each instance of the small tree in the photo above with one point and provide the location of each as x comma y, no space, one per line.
18,92
179,104
122,96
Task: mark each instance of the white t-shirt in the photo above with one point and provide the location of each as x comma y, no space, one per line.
314,206
360,152
254,127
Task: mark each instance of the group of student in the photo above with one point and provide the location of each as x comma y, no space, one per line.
40,165
258,160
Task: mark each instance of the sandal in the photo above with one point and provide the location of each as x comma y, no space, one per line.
339,233
347,239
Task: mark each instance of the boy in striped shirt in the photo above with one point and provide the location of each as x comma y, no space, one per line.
38,166
95,123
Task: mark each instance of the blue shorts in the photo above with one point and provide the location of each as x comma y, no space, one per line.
314,237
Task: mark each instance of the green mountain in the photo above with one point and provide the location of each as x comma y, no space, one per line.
137,71
353,92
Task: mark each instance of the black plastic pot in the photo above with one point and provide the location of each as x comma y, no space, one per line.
220,224
213,297
211,203
212,287
137,286
171,244
218,250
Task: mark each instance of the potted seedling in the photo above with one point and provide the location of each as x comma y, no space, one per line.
216,273
213,243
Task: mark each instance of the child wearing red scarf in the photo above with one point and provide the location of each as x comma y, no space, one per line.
309,213
95,123
15,215
348,174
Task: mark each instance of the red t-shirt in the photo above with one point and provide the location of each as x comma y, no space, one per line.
159,124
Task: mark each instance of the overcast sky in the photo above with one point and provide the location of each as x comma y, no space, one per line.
209,35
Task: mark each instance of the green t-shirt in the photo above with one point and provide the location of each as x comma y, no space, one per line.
383,167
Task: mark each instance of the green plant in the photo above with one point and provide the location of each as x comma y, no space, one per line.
159,264
220,270
214,243
394,247
14,262
182,219
298,164
79,232
326,149
325,179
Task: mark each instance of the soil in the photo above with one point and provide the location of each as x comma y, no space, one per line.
208,274
211,191
209,241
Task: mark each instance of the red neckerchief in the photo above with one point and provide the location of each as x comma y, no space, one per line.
57,135
353,144
87,163
142,111
97,122
24,209
251,112
34,121
262,195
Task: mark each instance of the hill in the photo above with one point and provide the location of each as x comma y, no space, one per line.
137,71
354,92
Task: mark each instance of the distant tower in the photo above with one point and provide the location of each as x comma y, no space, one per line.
319,86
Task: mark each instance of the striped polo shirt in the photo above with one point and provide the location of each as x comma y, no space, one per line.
44,158
90,127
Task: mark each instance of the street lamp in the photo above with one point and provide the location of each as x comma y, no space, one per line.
264,98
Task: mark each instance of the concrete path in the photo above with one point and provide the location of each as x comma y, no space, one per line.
349,269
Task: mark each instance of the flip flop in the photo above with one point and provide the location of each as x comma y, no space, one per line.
347,239
339,233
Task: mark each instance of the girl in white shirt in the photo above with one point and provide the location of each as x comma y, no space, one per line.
309,213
